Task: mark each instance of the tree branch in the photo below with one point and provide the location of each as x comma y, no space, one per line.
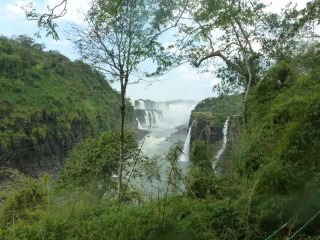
224,58
172,26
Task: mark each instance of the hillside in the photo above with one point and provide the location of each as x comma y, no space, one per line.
208,119
270,177
271,164
48,104
230,104
252,170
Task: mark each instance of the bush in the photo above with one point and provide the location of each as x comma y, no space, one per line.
96,160
23,196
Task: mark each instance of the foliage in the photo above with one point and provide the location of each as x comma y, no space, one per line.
286,101
277,151
46,20
239,25
199,156
95,160
48,104
275,172
192,219
239,40
230,104
272,161
285,33
23,196
33,79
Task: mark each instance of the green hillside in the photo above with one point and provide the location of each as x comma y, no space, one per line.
48,104
253,168
270,171
271,164
230,104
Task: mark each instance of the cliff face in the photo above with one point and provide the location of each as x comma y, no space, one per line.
207,127
209,117
225,165
40,141
206,137
48,104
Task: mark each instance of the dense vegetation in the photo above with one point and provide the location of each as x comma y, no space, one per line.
208,118
230,104
48,104
274,170
268,176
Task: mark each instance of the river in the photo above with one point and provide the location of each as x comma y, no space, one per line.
169,124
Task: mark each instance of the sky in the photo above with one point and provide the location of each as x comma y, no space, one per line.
184,82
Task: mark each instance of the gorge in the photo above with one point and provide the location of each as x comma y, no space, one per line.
166,124
236,165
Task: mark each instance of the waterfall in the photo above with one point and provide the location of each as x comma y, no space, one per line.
186,147
142,104
139,124
153,116
161,114
147,119
221,150
158,117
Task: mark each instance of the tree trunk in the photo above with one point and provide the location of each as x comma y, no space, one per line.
251,82
121,151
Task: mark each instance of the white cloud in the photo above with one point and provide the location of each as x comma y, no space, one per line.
191,76
12,11
187,73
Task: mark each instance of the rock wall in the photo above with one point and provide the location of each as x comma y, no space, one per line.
207,127
39,142
48,104
225,163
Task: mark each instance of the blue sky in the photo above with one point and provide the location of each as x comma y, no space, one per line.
183,82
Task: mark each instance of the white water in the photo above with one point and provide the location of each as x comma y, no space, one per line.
157,117
141,104
221,150
159,140
157,143
147,119
139,124
186,147
177,114
158,114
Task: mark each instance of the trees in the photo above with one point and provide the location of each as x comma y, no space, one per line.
239,40
237,23
284,34
117,39
95,160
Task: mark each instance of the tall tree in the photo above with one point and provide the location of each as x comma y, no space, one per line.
285,33
225,30
117,39
119,36
238,39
